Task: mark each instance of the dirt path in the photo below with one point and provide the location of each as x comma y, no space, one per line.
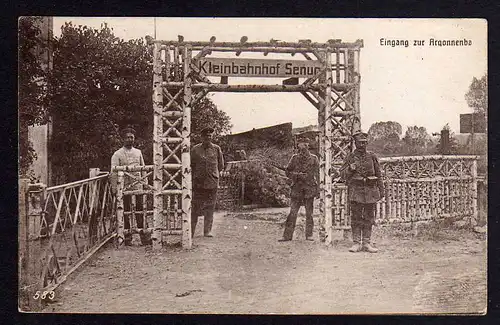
245,270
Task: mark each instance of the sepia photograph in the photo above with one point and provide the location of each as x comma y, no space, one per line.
289,166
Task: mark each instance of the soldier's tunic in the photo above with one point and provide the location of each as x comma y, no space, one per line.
303,186
130,157
304,173
206,162
364,186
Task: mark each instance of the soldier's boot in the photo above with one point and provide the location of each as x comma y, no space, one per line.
145,238
128,240
367,234
356,238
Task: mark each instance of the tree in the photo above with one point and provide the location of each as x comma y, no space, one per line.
99,84
416,140
205,113
384,137
477,96
31,87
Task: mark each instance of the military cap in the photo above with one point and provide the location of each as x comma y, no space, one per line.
128,129
207,129
360,136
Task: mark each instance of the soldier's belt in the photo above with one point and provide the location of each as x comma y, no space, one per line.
370,180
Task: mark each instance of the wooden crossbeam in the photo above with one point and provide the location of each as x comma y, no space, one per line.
239,46
339,94
312,101
311,80
198,74
138,180
452,168
172,179
253,88
204,52
172,99
318,98
172,127
338,125
338,100
172,153
306,55
199,95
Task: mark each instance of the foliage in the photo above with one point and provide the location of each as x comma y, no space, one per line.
417,141
31,78
99,84
205,113
265,181
385,140
477,96
264,184
384,137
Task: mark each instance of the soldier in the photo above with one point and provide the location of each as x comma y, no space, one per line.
129,156
207,162
361,171
303,169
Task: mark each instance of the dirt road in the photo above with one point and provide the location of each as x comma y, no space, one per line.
243,269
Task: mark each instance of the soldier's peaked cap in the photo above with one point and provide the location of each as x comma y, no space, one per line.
208,129
128,129
360,136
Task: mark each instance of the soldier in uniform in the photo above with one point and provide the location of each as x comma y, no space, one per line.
129,156
303,170
207,162
361,172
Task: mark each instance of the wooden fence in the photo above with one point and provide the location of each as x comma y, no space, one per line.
418,189
60,227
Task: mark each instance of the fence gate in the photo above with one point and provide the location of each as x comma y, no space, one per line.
326,74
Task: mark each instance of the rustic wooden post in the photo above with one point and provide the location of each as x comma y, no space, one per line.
120,238
186,152
36,202
322,170
327,108
474,217
94,172
242,189
23,232
156,236
357,83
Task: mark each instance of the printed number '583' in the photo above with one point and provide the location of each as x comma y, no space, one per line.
50,294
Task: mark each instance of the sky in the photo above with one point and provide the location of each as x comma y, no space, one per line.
414,85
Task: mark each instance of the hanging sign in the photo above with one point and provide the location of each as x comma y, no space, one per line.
259,68
472,123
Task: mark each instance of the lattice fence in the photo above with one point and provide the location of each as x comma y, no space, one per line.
419,189
60,227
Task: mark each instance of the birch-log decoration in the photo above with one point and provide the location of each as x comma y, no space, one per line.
328,149
157,148
120,238
186,156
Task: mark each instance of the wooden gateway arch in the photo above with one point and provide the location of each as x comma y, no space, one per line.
326,74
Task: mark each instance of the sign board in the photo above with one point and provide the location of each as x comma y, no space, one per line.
259,68
472,123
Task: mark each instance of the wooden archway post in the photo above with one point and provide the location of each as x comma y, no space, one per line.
187,192
156,236
328,111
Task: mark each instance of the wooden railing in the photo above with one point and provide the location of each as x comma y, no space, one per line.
60,227
418,189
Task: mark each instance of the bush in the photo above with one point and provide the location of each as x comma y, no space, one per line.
265,181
